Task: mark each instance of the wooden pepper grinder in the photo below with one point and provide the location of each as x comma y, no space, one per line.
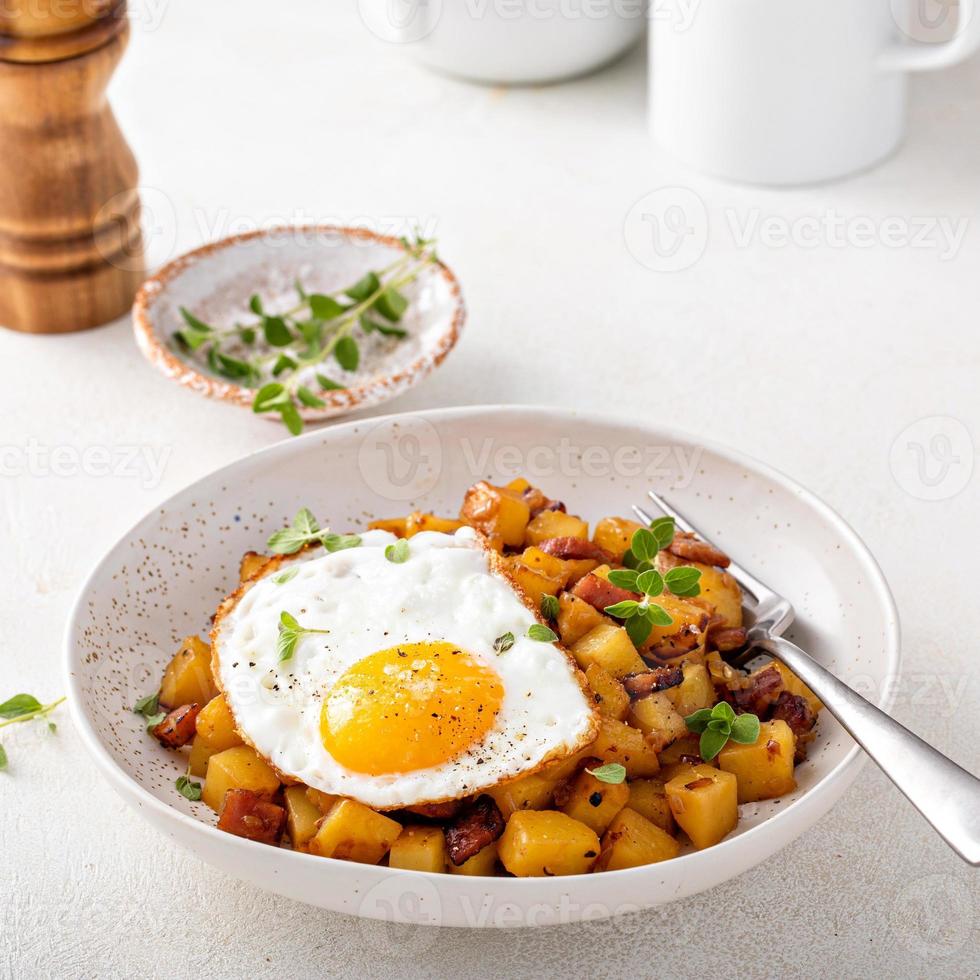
71,251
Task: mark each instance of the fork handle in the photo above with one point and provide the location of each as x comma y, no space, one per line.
943,792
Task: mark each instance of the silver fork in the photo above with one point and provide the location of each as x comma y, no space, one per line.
943,792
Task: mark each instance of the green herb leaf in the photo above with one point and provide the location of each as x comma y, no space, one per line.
309,399
255,305
247,335
389,331
340,542
366,286
287,576
270,397
644,545
289,621
549,606
658,616
684,580
724,711
398,552
348,354
3,759
663,530
152,721
148,705
52,727
503,642
745,729
391,304
194,323
277,334
624,578
324,307
19,705
638,629
229,367
650,582
698,722
623,610
305,522
283,363
291,418
712,742
188,789
327,385
716,725
542,634
612,772
290,633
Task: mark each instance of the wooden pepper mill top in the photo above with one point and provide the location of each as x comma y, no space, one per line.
70,244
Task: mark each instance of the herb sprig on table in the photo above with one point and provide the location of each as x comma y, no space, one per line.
318,328
21,708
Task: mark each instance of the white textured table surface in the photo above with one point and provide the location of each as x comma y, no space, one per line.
814,354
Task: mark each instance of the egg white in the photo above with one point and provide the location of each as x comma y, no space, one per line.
448,590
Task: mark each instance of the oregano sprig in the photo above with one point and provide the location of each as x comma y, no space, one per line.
290,633
305,530
21,708
276,353
719,724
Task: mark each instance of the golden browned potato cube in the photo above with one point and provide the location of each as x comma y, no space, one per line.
539,843
534,584
595,803
608,694
610,647
632,840
393,525
614,534
794,685
764,769
496,511
694,692
482,864
187,679
535,791
685,636
418,521
419,848
578,568
201,751
302,816
619,742
576,617
237,768
322,801
548,565
656,716
354,832
216,725
251,565
555,524
688,744
649,799
704,803
722,591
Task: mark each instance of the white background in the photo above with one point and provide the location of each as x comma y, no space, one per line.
814,357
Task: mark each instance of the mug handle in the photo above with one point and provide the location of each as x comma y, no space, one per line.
921,56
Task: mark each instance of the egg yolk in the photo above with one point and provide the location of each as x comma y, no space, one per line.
409,707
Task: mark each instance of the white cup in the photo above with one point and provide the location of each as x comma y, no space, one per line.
509,41
792,91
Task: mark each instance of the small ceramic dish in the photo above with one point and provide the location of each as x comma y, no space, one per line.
163,580
216,281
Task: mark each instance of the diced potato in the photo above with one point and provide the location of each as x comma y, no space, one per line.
649,799
418,521
614,534
201,751
534,791
496,511
632,840
794,685
610,647
764,769
539,843
393,525
302,816
618,742
576,617
595,803
555,524
608,694
579,568
237,768
354,832
419,848
656,716
187,679
704,804
694,692
688,744
216,725
540,561
722,591
251,564
685,636
535,584
482,864
322,801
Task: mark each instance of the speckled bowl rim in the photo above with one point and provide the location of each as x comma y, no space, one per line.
373,391
741,853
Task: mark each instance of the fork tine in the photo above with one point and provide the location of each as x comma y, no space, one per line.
679,519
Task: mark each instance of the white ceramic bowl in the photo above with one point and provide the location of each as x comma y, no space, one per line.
164,578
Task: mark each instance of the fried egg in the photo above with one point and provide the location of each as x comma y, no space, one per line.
400,697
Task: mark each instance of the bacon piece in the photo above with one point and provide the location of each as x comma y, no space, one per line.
179,727
729,639
690,548
537,502
246,814
575,549
476,825
765,688
436,811
647,681
599,593
795,711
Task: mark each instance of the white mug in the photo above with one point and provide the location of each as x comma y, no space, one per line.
790,91
509,41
